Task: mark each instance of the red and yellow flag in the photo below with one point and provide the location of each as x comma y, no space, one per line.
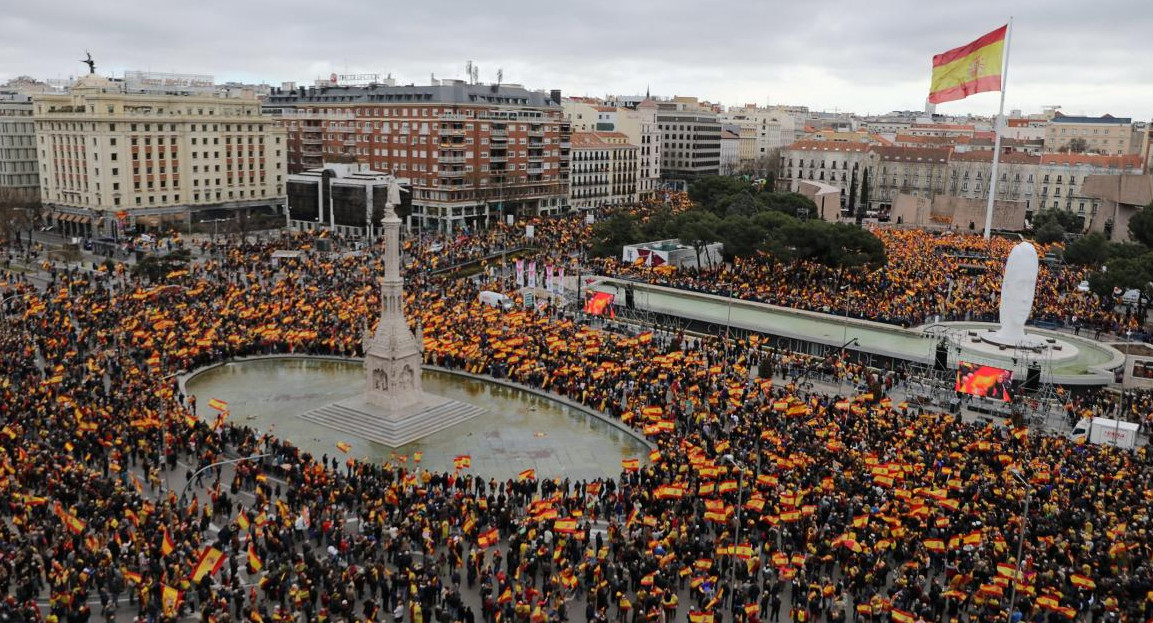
218,404
166,544
528,474
209,563
971,68
170,598
462,461
630,465
343,446
254,560
488,538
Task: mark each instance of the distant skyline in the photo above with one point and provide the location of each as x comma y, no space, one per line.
867,58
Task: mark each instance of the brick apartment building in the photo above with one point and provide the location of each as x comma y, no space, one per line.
473,152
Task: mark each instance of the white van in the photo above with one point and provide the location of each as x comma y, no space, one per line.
1106,432
495,299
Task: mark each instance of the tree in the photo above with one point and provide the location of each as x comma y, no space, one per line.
1141,226
740,205
708,192
853,193
741,235
1050,232
788,203
698,229
1091,250
612,234
1121,274
865,189
658,225
1068,221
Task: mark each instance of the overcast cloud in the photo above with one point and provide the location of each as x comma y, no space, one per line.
867,56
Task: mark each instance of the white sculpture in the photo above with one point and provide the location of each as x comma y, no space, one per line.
1018,287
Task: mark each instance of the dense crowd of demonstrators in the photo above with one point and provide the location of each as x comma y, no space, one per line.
758,494
927,276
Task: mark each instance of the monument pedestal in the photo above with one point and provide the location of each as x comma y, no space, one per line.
393,427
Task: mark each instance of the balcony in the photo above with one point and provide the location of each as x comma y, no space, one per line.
454,116
498,157
447,131
502,132
452,159
351,142
459,173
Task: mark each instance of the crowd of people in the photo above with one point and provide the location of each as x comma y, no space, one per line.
762,499
927,276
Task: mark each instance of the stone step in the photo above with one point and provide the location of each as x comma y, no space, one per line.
391,431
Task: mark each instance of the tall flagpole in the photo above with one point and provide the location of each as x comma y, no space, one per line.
997,123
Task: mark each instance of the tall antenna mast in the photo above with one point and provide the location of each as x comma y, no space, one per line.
468,71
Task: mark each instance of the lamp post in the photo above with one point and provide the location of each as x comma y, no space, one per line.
1020,542
164,427
728,458
200,471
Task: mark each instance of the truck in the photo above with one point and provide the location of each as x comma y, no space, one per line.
1107,432
495,299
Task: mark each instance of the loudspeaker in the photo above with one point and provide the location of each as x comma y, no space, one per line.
1032,378
941,360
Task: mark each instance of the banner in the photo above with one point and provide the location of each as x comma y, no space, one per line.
529,231
520,273
558,280
548,278
532,275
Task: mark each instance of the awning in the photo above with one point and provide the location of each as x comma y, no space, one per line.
66,218
148,221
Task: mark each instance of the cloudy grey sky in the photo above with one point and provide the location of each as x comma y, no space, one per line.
869,56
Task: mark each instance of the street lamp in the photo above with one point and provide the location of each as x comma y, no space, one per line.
728,458
1020,541
164,426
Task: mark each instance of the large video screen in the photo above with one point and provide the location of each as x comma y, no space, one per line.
985,381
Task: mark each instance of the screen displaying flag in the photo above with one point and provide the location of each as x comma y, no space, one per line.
971,68
218,404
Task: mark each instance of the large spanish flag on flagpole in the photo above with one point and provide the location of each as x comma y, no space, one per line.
972,68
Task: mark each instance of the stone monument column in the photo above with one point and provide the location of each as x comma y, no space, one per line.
393,355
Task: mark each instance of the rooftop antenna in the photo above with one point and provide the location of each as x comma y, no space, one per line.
475,73
468,71
499,76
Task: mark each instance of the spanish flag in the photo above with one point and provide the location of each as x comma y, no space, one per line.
1081,581
488,538
166,544
343,446
242,520
565,526
170,599
132,576
630,465
528,474
462,461
972,68
254,560
209,563
900,616
218,404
